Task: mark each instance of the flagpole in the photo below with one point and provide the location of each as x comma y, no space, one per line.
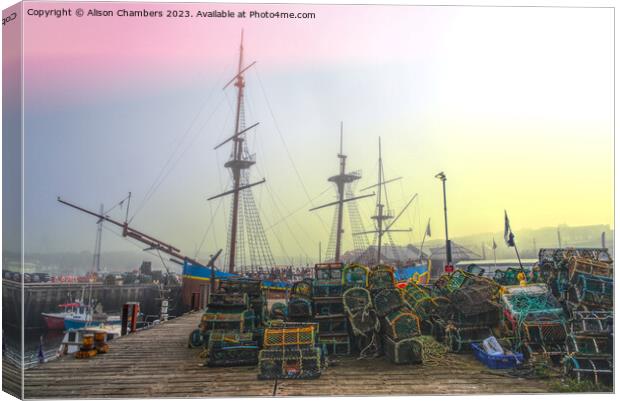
519,258
494,255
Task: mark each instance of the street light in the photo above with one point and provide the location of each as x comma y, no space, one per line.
441,176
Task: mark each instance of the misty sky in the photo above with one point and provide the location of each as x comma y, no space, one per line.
514,104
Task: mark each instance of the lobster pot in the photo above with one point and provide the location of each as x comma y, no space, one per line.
400,325
474,299
459,339
302,289
544,332
290,335
355,275
592,290
224,337
595,369
364,323
475,270
332,324
356,299
592,322
381,277
553,352
327,288
588,345
328,306
228,300
279,310
414,294
589,266
299,309
386,301
289,363
407,351
456,280
231,348
508,276
242,322
328,271
335,344
233,355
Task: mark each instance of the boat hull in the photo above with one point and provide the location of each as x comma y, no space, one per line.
54,321
78,323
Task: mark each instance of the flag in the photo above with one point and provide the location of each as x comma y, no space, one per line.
428,228
509,237
494,244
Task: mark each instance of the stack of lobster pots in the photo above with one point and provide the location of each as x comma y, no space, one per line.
400,326
536,321
465,309
290,351
228,326
583,279
327,289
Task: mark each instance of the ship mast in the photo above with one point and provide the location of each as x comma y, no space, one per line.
341,180
381,213
240,160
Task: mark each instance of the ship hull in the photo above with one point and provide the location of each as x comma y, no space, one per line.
54,321
70,323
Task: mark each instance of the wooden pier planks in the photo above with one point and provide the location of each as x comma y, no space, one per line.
157,363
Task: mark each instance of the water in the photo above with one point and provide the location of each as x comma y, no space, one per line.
32,339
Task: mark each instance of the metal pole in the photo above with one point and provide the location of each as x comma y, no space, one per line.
319,251
445,213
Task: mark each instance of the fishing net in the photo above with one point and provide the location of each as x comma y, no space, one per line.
278,311
386,301
381,277
299,309
335,344
302,289
328,307
401,324
419,300
596,369
355,275
290,334
290,363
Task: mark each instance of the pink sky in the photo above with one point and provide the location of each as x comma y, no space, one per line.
74,52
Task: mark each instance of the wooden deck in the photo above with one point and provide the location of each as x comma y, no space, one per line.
157,363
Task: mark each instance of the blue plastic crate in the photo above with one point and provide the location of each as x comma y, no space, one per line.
497,361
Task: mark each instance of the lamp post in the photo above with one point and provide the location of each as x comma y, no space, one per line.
441,176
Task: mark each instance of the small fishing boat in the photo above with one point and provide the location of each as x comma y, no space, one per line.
84,316
56,320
